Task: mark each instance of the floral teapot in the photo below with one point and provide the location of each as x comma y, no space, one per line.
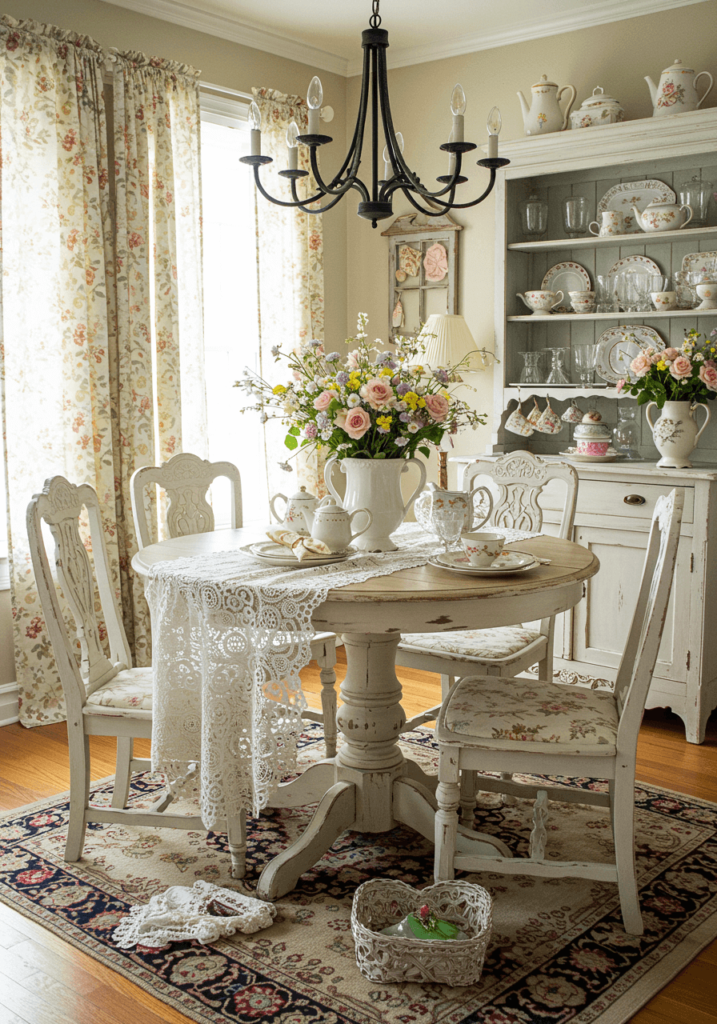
545,115
677,91
294,508
331,524
662,216
431,504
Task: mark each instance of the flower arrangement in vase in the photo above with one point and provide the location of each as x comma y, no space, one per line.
371,405
675,380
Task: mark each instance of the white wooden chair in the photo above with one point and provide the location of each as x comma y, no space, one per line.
185,479
519,477
104,696
546,728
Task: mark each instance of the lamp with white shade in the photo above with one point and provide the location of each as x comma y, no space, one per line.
448,341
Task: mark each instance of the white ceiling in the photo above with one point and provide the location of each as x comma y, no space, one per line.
326,33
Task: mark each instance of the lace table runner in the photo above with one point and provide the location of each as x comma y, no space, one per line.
230,638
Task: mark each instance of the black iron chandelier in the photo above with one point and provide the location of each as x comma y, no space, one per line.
377,198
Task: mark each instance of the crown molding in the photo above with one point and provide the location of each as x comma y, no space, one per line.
544,25
236,31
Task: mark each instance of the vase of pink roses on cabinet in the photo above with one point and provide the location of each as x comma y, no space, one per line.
678,381
372,409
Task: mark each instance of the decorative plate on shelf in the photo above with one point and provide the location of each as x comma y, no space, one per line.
507,562
572,453
698,262
614,353
627,194
635,265
565,278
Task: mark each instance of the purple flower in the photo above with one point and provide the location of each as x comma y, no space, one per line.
342,377
403,389
405,417
333,357
441,375
395,380
310,431
401,441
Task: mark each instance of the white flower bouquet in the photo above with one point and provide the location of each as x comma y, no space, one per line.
371,403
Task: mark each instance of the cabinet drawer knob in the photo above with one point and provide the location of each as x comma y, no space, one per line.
634,499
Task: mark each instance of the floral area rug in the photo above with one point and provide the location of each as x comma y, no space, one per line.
558,952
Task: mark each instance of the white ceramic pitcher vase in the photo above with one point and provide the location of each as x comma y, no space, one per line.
375,484
676,433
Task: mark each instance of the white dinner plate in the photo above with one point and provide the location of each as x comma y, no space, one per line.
627,194
614,354
566,278
635,265
507,562
276,554
572,453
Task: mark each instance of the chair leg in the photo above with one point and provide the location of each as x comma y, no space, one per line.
468,786
623,800
327,663
123,771
447,683
236,837
446,819
79,791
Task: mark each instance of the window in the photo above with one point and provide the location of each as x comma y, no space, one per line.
231,334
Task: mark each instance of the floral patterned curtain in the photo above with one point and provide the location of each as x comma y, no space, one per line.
54,355
290,268
158,284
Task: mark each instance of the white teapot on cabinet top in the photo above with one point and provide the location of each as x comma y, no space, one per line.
677,91
332,524
544,115
663,216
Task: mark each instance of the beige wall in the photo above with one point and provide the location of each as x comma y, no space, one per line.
615,56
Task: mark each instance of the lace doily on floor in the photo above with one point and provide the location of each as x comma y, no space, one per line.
230,638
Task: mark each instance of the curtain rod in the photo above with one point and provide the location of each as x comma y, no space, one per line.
225,91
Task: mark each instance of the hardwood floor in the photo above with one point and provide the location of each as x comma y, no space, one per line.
44,980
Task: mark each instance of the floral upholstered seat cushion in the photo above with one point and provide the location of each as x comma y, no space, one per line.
505,714
488,644
129,694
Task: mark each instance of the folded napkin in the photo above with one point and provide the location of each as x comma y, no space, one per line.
301,546
180,913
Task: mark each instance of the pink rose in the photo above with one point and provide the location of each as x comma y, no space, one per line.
355,423
620,385
377,392
681,367
656,357
352,360
323,401
671,353
640,365
708,376
437,406
712,363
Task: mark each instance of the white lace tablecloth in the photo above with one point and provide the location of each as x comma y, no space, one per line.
230,637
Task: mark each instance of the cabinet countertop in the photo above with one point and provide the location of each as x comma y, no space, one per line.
708,471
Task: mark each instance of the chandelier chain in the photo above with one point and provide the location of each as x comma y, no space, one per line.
375,19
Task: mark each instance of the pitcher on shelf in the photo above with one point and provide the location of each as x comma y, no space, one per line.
545,115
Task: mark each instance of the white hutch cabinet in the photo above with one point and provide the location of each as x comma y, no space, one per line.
615,500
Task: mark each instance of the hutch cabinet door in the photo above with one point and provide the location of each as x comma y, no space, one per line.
602,619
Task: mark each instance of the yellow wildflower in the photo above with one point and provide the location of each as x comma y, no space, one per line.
411,399
421,403
662,365
278,390
384,421
386,372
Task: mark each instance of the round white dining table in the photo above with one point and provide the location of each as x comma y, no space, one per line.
370,786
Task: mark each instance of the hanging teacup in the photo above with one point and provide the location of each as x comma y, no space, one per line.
549,422
534,414
572,414
397,316
518,424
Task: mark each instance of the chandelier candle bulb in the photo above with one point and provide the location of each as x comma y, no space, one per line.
494,123
292,133
255,125
387,168
458,109
314,98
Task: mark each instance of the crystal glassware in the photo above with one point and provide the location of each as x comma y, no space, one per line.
584,357
606,294
531,374
575,216
627,432
684,294
633,291
697,194
449,526
534,215
557,373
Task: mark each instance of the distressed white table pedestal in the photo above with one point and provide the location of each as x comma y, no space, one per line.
370,786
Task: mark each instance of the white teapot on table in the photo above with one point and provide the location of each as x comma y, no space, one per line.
294,508
331,524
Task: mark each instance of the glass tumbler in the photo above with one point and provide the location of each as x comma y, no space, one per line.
530,374
627,432
696,193
534,215
449,524
575,216
606,293
584,357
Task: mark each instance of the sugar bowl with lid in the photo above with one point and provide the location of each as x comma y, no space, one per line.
591,435
597,109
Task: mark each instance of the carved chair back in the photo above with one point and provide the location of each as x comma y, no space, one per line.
640,655
519,477
60,505
185,479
